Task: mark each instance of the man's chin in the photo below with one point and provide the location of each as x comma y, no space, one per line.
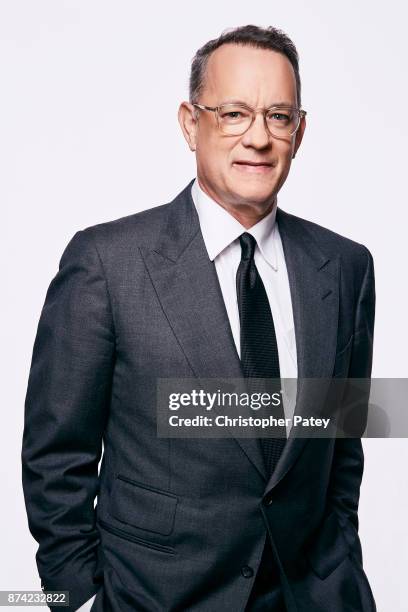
253,194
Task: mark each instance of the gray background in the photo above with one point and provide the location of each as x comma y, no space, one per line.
88,132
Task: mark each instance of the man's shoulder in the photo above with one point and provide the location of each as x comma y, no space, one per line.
142,227
118,240
327,240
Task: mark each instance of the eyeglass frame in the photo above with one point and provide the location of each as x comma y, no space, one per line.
301,114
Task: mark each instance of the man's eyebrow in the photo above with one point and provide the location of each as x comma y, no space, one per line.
281,103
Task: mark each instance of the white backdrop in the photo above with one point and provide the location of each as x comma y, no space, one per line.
80,85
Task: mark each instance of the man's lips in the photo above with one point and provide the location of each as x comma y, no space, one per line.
252,167
251,163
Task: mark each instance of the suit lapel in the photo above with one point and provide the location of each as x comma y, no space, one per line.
187,285
314,286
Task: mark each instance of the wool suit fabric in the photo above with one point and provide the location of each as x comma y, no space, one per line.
180,524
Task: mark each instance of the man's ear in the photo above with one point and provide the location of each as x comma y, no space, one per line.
299,135
188,123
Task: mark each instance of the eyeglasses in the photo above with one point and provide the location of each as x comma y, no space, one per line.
235,119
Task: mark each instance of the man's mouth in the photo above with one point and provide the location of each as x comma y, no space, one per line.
251,166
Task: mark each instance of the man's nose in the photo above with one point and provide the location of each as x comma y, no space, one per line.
258,135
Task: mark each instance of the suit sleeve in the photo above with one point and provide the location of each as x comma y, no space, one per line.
66,408
348,460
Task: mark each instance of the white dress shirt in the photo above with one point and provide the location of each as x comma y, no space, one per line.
221,233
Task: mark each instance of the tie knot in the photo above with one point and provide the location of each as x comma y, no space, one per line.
248,244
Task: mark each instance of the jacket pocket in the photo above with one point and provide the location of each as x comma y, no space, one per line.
329,547
121,533
142,506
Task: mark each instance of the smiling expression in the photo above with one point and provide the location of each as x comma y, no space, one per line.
242,173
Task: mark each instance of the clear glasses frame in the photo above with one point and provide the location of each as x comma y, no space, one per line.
216,109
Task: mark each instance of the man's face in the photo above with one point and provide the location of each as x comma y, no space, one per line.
259,78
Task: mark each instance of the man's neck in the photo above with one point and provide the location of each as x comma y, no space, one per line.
246,214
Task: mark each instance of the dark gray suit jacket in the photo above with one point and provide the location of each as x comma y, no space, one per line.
181,524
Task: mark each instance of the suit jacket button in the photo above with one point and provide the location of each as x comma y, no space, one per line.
268,501
247,571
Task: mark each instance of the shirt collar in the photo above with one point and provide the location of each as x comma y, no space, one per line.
220,229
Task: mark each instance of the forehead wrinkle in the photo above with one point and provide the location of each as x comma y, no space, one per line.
274,104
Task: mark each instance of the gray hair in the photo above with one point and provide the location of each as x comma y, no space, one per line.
249,35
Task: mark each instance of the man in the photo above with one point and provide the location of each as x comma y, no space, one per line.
220,282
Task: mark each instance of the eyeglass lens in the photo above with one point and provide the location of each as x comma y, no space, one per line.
235,120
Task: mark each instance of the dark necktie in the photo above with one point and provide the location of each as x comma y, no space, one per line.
259,349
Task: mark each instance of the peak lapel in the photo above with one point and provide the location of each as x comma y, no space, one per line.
314,286
187,285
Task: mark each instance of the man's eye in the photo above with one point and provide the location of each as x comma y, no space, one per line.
233,115
279,117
